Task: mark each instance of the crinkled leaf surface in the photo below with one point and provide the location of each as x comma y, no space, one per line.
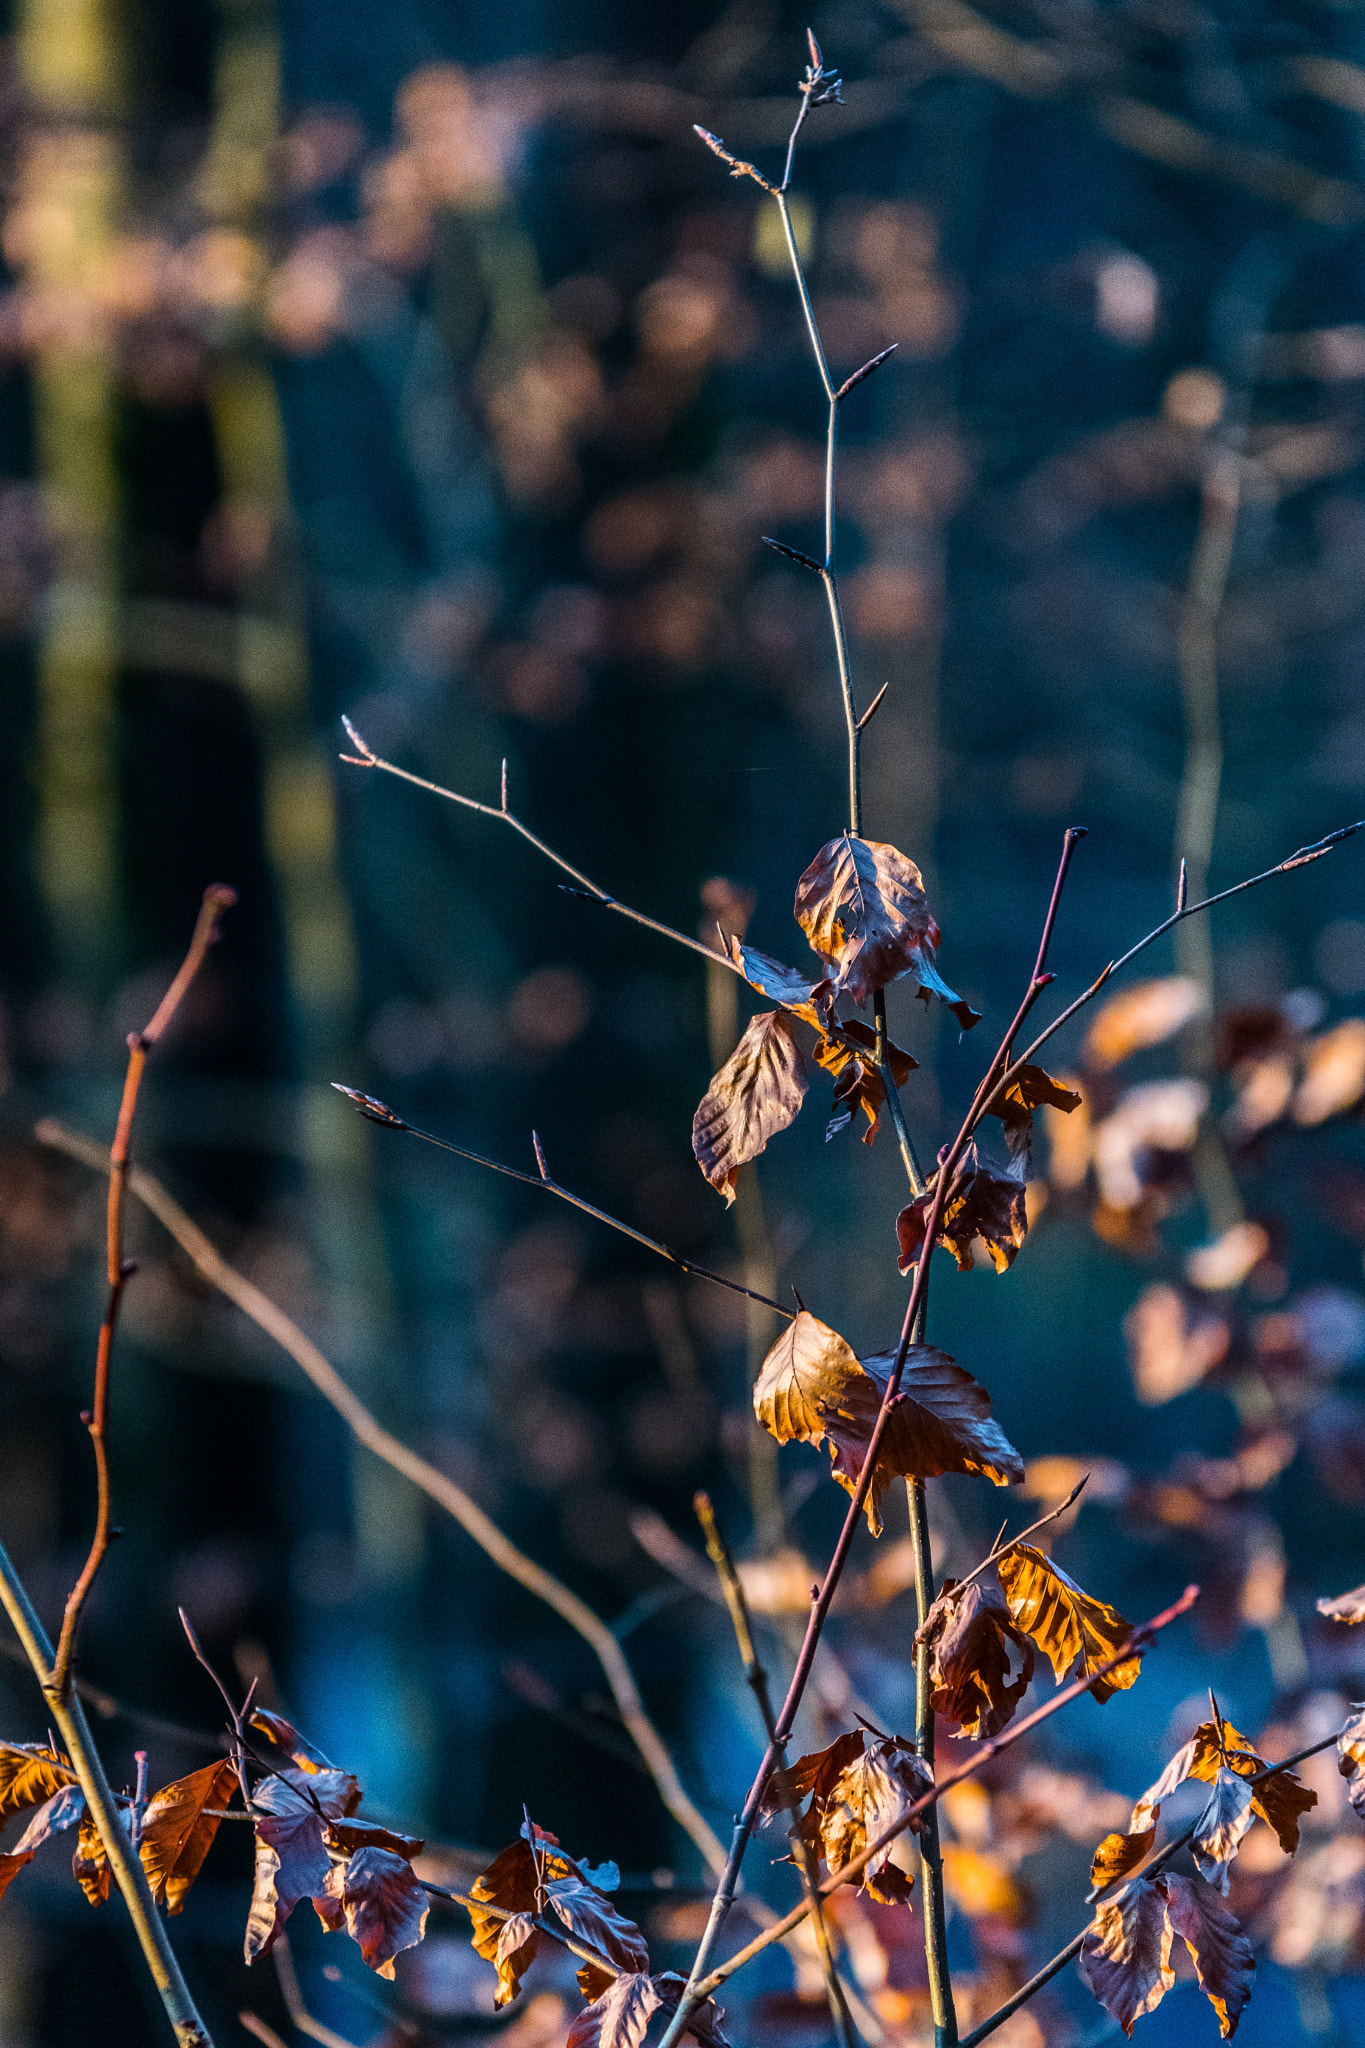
29,1774
1222,1954
1126,1955
291,1861
862,908
1070,1627
846,1052
981,1665
812,1389
177,1833
385,1907
620,2017
1279,1800
980,1204
1032,1087
757,1093
1222,1826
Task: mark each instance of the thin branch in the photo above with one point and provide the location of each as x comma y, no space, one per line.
379,1112
998,1549
552,1928
1073,1947
756,1678
217,899
365,757
941,2006
131,1878
1138,1640
456,1502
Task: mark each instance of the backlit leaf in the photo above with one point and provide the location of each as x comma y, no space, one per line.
594,1919
337,1792
862,908
53,1817
845,1053
812,1389
385,1907
857,1787
1221,1826
1147,1014
89,1864
29,1774
291,1862
1031,1088
1069,1627
1279,1800
513,1882
783,985
1118,1856
1126,1955
344,1837
980,1204
620,2017
1222,1954
756,1094
177,1833
974,1649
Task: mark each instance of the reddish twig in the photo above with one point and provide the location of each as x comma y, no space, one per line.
217,898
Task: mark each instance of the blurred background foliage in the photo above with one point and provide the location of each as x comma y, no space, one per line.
416,362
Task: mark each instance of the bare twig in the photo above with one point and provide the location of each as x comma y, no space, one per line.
756,1679
217,899
998,1548
379,1113
456,1502
129,1875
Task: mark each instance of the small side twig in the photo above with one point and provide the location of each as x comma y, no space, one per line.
999,1547
217,899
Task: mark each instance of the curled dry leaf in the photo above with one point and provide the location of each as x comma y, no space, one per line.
857,1787
1351,1756
1118,1856
30,1774
385,1907
1347,1607
1278,1801
291,1863
846,1053
1030,1088
1072,1630
53,1817
812,1389
340,1794
1222,1826
1126,1955
783,985
518,1880
974,1646
980,1204
90,1864
862,907
1145,1015
177,1833
620,2017
757,1093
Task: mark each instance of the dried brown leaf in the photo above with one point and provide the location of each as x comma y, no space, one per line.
845,1052
974,1646
980,1204
1222,1825
593,1918
757,1093
1279,1800
812,1389
177,1834
1145,1015
291,1862
344,1837
337,1792
783,985
1118,1856
1126,1955
89,1864
862,907
53,1817
516,1880
1031,1088
1222,1954
385,1907
1070,1627
30,1774
620,2017
870,1794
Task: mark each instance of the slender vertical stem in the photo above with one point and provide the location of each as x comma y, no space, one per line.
69,1715
931,1860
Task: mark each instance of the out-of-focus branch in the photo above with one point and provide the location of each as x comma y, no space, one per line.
210,1262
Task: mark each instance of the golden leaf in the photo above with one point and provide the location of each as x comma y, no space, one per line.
980,1204
1069,1627
177,1833
862,907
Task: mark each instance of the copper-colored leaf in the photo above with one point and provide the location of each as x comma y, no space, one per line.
1222,1954
620,2017
980,1204
1351,1756
1118,1856
1144,1015
871,1793
12,1862
344,1837
386,1908
594,1920
1069,1627
1126,1955
1222,1826
812,1389
756,1094
862,908
783,985
1347,1607
975,1646
1031,1088
814,1774
89,1864
291,1862
846,1052
177,1833
29,1774
1279,1800
338,1793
